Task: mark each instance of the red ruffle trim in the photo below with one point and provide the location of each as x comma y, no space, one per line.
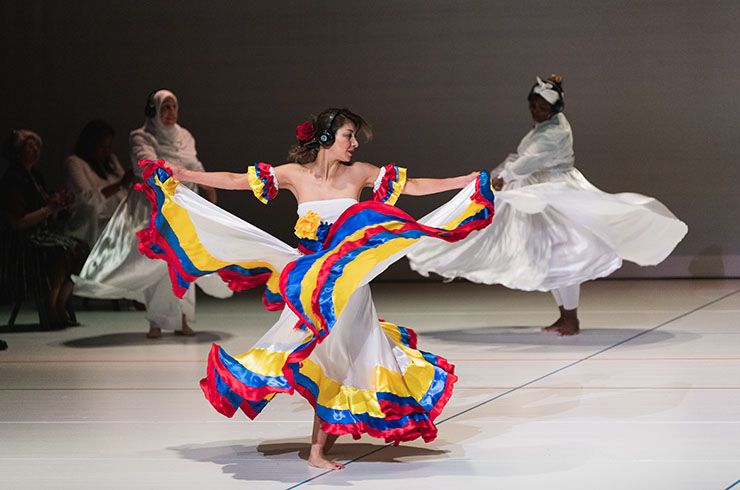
412,430
385,190
264,174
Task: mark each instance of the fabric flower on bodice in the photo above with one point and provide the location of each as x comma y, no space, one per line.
307,225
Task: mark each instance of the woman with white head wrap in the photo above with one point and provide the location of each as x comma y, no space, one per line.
116,268
553,229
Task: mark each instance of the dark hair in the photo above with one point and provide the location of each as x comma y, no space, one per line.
306,152
91,135
557,84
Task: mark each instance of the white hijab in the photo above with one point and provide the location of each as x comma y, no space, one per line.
174,144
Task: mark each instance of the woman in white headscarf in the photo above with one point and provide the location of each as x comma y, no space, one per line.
116,268
553,230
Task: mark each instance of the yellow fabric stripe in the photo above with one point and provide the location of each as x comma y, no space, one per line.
256,183
472,208
414,382
179,220
353,272
397,186
265,362
363,263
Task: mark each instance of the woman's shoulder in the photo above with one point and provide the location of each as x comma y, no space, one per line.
184,134
141,134
74,161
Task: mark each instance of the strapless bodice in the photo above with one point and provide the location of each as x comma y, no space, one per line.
329,210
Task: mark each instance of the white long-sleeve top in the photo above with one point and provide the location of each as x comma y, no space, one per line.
547,147
178,149
92,209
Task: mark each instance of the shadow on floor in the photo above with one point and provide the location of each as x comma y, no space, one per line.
23,328
349,451
139,338
597,337
248,462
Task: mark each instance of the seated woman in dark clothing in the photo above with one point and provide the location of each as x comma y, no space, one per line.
35,259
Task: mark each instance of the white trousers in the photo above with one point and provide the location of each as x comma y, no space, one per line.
567,297
163,309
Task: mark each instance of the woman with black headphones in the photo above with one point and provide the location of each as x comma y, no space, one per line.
362,375
116,268
553,229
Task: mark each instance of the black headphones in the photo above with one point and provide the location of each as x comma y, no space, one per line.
150,109
559,104
325,137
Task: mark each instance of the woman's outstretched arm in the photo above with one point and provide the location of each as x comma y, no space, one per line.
422,187
220,180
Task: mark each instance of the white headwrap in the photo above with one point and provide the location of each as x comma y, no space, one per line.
547,91
174,144
154,124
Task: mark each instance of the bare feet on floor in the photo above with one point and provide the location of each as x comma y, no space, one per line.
321,443
186,331
154,333
318,460
569,327
566,325
555,326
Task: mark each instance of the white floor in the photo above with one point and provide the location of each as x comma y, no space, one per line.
647,397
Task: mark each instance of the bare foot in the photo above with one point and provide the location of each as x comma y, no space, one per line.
567,324
555,327
154,333
570,326
319,461
186,330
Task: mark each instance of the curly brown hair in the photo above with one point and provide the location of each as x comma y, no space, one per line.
306,152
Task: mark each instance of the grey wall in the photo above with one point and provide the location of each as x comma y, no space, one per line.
651,90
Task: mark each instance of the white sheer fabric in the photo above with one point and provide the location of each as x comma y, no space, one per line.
92,209
552,228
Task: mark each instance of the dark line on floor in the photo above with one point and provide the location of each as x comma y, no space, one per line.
734,484
683,315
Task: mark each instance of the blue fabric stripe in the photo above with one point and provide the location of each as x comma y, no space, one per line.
436,389
405,336
164,229
326,300
251,378
226,391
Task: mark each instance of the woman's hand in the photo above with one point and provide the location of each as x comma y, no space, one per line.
59,201
177,172
467,179
497,183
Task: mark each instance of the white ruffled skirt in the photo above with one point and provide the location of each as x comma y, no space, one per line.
552,230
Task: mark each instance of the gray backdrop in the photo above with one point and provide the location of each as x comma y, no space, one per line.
651,91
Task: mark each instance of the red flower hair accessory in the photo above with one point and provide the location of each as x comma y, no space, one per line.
305,132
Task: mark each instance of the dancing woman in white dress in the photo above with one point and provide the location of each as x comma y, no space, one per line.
553,229
362,375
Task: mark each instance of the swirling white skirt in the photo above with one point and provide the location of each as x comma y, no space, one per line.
551,231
